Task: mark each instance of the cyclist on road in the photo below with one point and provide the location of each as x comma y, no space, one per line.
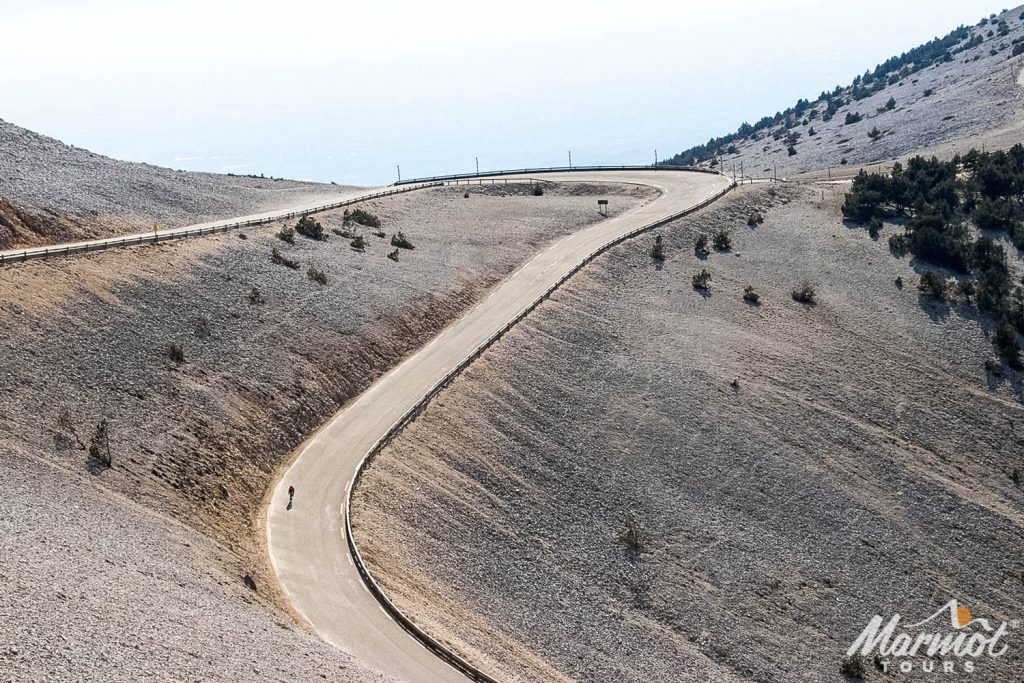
291,494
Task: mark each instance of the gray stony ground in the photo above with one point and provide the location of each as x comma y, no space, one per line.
51,192
975,96
200,441
96,588
862,463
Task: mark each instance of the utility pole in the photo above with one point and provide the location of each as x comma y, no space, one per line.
655,159
570,159
741,172
399,172
477,165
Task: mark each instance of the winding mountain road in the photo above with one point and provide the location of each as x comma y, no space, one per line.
307,543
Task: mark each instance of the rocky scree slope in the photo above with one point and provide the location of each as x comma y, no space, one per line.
51,192
211,362
974,95
794,469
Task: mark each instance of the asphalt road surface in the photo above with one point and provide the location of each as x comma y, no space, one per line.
307,543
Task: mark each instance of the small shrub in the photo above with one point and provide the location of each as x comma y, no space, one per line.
99,445
362,217
1005,341
804,293
755,219
279,259
358,242
750,296
1017,232
723,240
344,232
853,667
658,250
898,282
255,297
394,256
994,368
966,288
700,245
311,228
791,151
853,117
538,191
874,227
891,104
66,426
811,132
203,328
933,284
875,134
928,92
899,244
632,535
176,352
287,234
316,275
399,240
702,280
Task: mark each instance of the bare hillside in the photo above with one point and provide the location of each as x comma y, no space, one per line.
211,361
99,589
51,192
975,95
793,469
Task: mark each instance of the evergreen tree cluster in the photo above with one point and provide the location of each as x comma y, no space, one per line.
938,200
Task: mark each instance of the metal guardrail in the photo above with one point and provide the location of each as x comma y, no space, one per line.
468,669
19,256
556,169
22,255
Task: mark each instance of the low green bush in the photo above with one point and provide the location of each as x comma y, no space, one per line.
658,250
632,535
722,240
316,275
362,217
311,228
933,284
805,293
281,260
702,280
399,240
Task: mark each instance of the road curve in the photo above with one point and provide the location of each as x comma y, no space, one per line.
307,544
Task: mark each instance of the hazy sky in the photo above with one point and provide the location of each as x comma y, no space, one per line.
346,90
